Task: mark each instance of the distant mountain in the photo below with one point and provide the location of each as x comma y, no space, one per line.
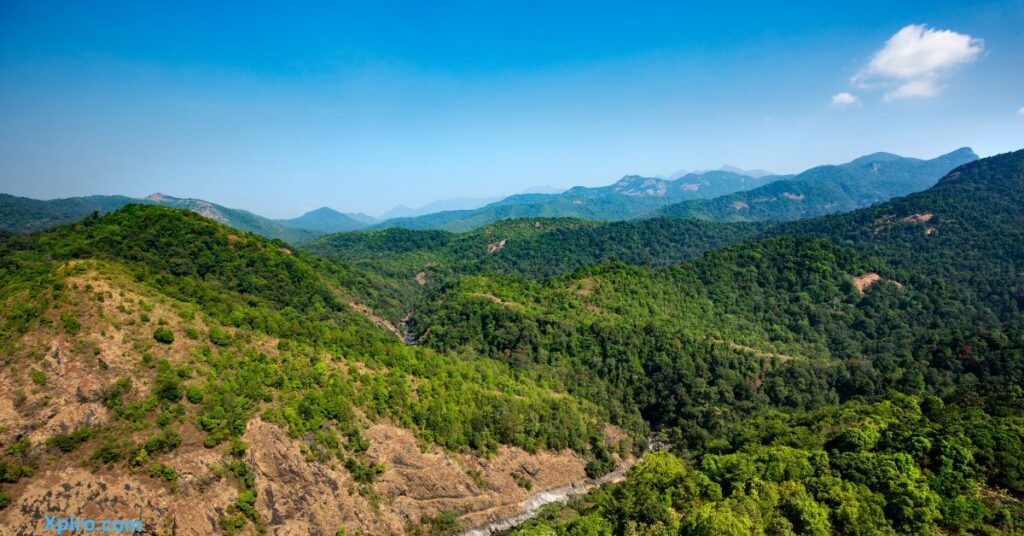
457,203
756,173
328,220
25,215
542,189
629,197
826,189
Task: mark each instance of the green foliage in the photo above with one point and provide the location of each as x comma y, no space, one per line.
69,442
602,462
165,473
163,334
778,477
168,385
444,523
17,462
194,394
37,376
71,324
219,336
109,452
792,401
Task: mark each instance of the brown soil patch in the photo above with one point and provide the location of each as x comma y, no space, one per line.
495,247
421,278
739,205
864,281
919,218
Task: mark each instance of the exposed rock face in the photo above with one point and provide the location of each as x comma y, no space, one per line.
297,496
300,497
424,483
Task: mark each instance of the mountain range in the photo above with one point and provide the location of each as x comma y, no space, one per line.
851,373
826,189
720,195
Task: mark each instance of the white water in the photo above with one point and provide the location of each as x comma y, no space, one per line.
531,506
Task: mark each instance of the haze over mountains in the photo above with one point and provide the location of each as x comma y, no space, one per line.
721,195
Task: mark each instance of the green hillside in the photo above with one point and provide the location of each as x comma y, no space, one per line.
414,264
740,356
274,333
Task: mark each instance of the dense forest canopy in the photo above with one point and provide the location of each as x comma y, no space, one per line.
833,312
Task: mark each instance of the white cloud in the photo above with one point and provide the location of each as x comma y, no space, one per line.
842,100
922,87
917,50
915,60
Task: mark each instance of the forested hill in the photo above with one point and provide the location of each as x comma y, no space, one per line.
873,363
157,348
413,264
966,232
826,189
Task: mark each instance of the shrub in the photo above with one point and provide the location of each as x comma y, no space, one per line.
219,336
164,335
107,453
70,442
444,523
165,473
71,324
38,377
194,394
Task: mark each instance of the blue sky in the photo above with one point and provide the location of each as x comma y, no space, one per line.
362,106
